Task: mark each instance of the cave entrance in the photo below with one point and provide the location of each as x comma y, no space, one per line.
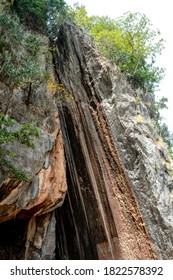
80,227
12,239
75,238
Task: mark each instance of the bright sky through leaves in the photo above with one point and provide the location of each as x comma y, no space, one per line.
160,14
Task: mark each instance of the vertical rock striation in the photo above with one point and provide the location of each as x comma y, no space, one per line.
97,139
115,198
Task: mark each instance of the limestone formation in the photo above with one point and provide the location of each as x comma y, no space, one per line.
99,183
44,165
111,139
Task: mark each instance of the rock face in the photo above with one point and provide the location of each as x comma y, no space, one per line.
112,155
29,205
98,140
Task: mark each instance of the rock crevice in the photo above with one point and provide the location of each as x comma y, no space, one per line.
94,190
88,136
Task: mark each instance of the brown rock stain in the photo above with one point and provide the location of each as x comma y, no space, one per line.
52,187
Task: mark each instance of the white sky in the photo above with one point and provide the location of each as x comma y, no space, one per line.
161,15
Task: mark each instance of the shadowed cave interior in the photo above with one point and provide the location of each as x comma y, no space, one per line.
78,223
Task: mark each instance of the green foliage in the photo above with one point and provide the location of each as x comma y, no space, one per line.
36,14
17,173
156,167
5,4
19,53
61,94
161,127
80,16
8,136
24,133
167,137
19,66
137,46
57,11
157,107
32,13
129,41
138,99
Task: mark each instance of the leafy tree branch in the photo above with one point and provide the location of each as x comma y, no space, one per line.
9,136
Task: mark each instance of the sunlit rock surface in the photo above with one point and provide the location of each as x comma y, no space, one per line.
112,154
98,143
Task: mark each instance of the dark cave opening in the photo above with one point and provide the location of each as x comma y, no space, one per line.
12,239
79,227
75,239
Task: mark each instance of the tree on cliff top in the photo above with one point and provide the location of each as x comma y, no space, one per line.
36,14
129,41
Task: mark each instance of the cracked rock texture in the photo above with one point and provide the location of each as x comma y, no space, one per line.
31,204
116,165
100,185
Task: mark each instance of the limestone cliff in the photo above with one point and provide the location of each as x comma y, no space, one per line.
26,208
95,149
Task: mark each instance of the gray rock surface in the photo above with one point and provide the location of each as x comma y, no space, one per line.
44,165
145,165
120,191
106,116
